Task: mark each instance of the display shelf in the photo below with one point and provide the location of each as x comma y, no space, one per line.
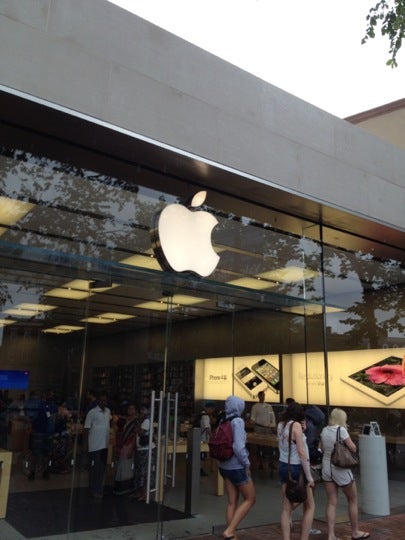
136,382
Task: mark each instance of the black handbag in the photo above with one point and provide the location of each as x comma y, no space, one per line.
341,456
296,490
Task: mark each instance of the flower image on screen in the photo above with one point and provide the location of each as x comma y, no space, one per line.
386,376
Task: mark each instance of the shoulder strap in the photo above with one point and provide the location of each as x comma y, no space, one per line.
338,434
289,443
231,418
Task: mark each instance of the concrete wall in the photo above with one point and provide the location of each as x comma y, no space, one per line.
93,57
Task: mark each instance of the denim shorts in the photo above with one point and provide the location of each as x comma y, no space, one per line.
238,477
283,471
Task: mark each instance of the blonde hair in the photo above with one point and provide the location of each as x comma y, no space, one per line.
338,417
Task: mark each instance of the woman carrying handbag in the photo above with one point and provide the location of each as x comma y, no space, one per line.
338,477
294,459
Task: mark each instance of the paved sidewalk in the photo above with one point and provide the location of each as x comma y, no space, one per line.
381,528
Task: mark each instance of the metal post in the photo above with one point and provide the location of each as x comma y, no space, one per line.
193,465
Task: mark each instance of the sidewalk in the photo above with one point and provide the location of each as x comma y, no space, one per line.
381,528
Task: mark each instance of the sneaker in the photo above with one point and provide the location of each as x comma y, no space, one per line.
315,531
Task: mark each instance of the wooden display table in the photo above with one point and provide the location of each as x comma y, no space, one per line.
263,440
5,470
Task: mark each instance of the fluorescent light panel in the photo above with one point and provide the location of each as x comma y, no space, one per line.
11,211
252,283
311,309
97,320
143,261
6,322
71,294
28,310
35,307
78,289
177,300
107,318
155,306
116,316
184,299
62,329
289,274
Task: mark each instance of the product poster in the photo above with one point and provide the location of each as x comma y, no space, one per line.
243,376
362,378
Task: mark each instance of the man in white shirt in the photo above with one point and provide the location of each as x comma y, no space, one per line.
263,418
97,429
262,415
205,426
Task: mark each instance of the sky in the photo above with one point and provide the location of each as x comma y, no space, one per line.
311,49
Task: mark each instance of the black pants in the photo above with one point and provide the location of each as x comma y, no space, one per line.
97,465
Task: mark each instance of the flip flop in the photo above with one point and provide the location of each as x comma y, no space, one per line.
362,537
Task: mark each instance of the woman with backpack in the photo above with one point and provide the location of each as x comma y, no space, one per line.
236,470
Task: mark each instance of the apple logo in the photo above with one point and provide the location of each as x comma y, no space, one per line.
181,238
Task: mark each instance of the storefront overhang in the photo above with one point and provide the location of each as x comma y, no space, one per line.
99,144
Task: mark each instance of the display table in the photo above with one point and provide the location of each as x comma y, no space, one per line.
262,440
5,470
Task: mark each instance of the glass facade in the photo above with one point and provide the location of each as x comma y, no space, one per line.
86,304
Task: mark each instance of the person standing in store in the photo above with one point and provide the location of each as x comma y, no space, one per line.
314,422
97,430
299,460
236,470
142,456
262,416
124,473
337,477
205,428
91,401
264,421
43,428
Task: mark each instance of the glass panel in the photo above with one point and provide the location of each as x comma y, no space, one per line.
365,340
118,323
87,305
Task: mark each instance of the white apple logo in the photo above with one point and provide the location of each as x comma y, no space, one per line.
182,238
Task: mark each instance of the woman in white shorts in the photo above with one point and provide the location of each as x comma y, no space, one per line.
337,477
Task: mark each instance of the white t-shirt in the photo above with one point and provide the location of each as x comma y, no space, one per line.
146,427
262,414
98,423
205,427
330,473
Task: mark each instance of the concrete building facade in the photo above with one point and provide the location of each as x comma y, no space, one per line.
106,120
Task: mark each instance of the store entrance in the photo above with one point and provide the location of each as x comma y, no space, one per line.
167,344
199,337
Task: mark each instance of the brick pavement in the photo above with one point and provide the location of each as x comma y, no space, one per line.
381,528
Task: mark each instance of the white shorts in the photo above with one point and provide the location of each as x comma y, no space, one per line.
341,477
